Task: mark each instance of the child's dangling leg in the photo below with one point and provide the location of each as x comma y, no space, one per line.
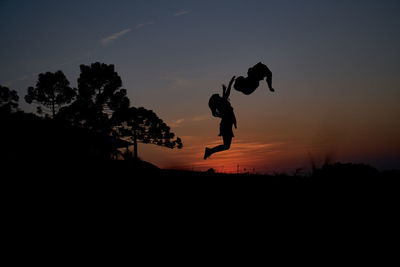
226,146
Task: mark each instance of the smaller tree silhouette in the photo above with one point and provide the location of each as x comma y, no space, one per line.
8,100
140,124
52,91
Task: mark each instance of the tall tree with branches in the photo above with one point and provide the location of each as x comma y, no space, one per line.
142,125
52,92
100,93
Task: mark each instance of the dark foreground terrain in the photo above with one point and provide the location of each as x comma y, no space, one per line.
130,170
339,172
124,188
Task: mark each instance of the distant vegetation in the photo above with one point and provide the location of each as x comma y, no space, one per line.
337,174
93,121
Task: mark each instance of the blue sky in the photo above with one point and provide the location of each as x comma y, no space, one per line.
335,61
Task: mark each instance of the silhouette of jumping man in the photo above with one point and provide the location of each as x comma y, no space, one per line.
221,108
255,75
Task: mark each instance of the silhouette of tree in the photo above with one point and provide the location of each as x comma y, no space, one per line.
140,124
8,100
102,84
52,91
99,95
102,109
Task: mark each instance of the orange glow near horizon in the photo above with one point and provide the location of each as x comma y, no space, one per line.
244,156
255,151
248,155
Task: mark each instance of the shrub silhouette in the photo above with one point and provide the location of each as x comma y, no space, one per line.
345,170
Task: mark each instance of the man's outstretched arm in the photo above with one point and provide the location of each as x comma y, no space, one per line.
269,79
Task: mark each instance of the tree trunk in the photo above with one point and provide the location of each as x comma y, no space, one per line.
135,146
53,109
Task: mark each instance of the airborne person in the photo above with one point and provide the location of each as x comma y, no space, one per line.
255,74
221,108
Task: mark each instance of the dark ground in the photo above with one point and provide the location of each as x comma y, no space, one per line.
143,196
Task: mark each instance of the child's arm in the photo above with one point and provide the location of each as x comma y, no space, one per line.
224,91
215,113
228,91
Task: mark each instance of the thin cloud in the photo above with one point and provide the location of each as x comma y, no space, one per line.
182,83
177,123
25,77
109,39
192,156
141,25
201,118
71,61
53,68
8,84
182,12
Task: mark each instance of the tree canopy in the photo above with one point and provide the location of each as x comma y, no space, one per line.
100,93
52,91
101,84
8,100
101,107
140,124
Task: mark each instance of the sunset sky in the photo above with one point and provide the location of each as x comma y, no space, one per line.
335,64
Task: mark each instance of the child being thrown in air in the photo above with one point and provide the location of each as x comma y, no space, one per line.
255,74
